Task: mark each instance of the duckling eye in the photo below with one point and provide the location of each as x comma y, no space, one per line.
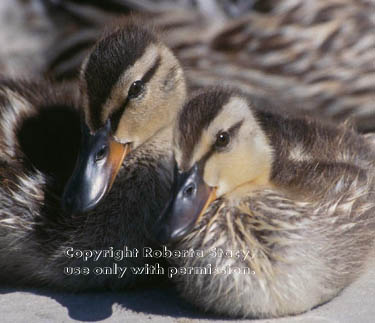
222,139
135,89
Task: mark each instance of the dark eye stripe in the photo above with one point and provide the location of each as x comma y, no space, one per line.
234,129
116,114
114,54
152,70
197,115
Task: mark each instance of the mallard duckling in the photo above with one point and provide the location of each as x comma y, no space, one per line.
132,87
289,200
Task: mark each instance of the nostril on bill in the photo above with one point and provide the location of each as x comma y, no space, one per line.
189,190
101,154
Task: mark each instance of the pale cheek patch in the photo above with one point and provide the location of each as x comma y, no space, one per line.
235,169
202,148
249,162
249,156
211,175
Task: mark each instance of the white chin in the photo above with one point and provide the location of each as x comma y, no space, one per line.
221,190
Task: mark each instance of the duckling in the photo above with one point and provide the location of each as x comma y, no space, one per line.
131,89
50,232
277,209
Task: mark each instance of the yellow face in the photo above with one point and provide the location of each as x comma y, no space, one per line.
237,148
220,150
146,97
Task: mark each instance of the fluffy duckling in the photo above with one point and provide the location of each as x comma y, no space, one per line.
132,87
289,200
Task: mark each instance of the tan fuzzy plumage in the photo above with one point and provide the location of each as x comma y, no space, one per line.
309,230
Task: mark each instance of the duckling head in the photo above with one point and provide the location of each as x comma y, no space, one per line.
132,87
220,150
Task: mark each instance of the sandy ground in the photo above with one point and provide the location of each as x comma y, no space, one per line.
354,305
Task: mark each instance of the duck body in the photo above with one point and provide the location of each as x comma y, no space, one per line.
37,238
302,209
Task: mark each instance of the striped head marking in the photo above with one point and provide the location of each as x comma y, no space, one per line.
218,130
131,87
133,80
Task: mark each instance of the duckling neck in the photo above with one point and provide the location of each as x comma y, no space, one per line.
162,137
262,182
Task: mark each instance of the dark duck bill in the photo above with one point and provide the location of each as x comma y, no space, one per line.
191,196
97,166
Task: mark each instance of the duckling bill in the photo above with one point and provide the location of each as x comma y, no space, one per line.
97,166
190,198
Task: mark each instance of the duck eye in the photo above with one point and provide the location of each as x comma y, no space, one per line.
135,89
222,139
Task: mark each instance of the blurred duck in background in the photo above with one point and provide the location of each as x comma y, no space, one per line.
317,55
